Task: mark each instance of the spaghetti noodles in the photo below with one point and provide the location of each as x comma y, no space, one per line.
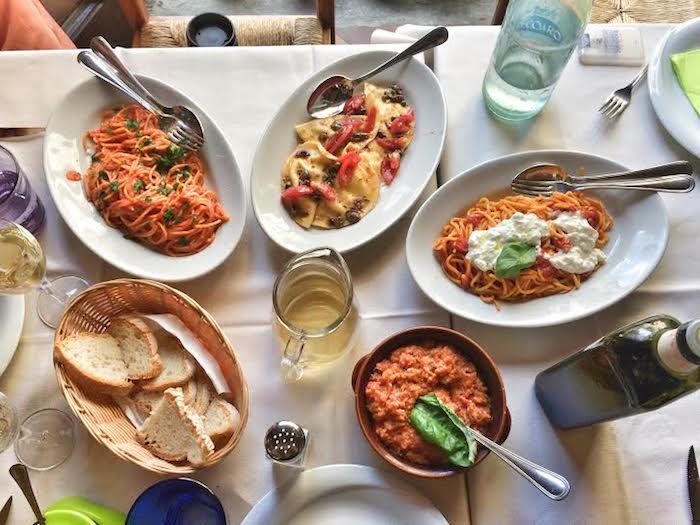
149,188
541,279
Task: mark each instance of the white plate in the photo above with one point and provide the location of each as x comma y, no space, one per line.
417,166
637,243
344,495
670,103
11,322
79,112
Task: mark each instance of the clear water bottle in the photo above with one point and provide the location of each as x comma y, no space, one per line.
536,41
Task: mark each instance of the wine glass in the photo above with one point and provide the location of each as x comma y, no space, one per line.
23,267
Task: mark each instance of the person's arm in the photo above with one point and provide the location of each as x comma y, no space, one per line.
25,24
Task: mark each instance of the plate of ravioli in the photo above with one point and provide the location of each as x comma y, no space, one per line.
340,181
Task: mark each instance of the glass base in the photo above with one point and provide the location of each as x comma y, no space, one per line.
51,301
46,439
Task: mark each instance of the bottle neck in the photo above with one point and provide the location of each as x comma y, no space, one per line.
674,354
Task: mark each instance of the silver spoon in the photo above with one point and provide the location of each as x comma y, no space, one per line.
554,172
330,96
100,46
550,483
21,476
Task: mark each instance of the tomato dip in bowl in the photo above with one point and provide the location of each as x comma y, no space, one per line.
415,362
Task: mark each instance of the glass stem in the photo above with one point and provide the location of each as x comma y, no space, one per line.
46,287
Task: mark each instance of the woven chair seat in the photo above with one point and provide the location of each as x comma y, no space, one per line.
169,31
644,11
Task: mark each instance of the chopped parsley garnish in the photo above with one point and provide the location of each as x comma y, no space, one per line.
169,158
146,141
169,216
102,195
95,158
139,185
163,190
102,175
114,185
183,241
185,173
148,198
132,124
176,186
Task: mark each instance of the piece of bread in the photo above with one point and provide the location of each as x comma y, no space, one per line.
174,432
203,395
178,365
221,420
139,346
147,401
95,361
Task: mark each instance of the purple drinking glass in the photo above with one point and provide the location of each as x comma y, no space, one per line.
18,201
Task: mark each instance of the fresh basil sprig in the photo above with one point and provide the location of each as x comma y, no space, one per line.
514,257
438,424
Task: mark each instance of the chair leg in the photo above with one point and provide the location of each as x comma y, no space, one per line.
325,12
499,13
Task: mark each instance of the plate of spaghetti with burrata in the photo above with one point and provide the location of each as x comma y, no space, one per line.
492,256
142,203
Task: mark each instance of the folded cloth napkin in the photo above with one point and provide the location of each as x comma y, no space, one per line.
687,68
25,24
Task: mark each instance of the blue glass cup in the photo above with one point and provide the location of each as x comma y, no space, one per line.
18,201
179,501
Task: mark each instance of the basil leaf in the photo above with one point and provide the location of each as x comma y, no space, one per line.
439,425
514,257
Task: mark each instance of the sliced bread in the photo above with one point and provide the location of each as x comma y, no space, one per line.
203,394
178,365
174,432
221,420
95,361
139,346
147,401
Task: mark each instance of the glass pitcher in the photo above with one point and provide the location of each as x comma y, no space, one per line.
315,311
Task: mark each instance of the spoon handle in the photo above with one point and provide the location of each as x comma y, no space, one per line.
669,184
549,483
436,37
107,73
680,167
20,474
101,47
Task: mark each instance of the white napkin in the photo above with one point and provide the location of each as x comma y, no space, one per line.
405,34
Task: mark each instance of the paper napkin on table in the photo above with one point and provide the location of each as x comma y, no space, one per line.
687,68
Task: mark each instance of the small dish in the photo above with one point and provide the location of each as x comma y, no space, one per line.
499,427
210,30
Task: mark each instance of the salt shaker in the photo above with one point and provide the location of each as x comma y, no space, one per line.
286,443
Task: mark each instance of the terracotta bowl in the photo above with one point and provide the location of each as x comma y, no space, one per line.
500,423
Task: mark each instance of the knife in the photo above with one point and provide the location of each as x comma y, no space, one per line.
5,512
693,487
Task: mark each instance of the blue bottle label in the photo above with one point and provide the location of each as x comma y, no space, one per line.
536,23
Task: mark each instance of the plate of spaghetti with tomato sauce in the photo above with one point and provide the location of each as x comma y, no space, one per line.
499,258
139,201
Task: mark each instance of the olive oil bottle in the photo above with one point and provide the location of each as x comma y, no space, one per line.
640,367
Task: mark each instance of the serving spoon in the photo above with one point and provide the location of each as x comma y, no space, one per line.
330,96
555,173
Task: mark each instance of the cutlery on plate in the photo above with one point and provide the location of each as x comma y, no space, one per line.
21,476
175,128
618,100
693,487
554,172
669,184
330,96
550,483
5,512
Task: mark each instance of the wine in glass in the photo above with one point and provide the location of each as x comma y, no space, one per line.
23,267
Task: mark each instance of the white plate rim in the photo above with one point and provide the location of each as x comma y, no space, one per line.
331,478
334,68
11,331
656,96
527,323
185,271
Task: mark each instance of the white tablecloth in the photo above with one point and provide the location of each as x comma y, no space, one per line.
632,470
240,89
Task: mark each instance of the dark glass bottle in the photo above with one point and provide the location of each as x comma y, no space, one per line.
637,368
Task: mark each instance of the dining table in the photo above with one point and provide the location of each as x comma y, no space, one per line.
626,471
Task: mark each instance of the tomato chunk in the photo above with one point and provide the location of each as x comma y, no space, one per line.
371,120
73,175
391,144
591,215
402,123
545,267
461,245
354,104
296,192
340,138
348,163
474,219
324,190
563,244
390,167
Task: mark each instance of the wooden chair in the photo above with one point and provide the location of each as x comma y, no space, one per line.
629,11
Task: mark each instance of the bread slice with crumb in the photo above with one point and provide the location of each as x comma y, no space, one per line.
147,401
221,420
178,365
203,395
174,432
139,346
95,362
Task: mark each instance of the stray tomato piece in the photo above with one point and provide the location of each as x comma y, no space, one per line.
402,123
391,144
348,163
389,167
461,245
545,267
563,244
591,215
340,138
474,219
371,120
354,104
296,192
325,190
73,175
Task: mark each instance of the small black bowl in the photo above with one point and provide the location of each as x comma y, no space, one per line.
210,30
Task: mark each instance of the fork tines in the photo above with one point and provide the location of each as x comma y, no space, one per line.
613,106
533,188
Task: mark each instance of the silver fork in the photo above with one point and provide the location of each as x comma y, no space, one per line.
669,183
618,100
175,129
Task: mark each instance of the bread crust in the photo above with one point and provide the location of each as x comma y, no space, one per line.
139,325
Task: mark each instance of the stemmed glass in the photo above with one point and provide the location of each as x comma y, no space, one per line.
23,267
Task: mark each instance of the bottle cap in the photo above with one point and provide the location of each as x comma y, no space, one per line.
688,339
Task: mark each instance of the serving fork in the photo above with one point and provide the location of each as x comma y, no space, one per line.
545,188
618,100
175,128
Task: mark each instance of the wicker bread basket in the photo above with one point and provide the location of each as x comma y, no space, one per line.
91,311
